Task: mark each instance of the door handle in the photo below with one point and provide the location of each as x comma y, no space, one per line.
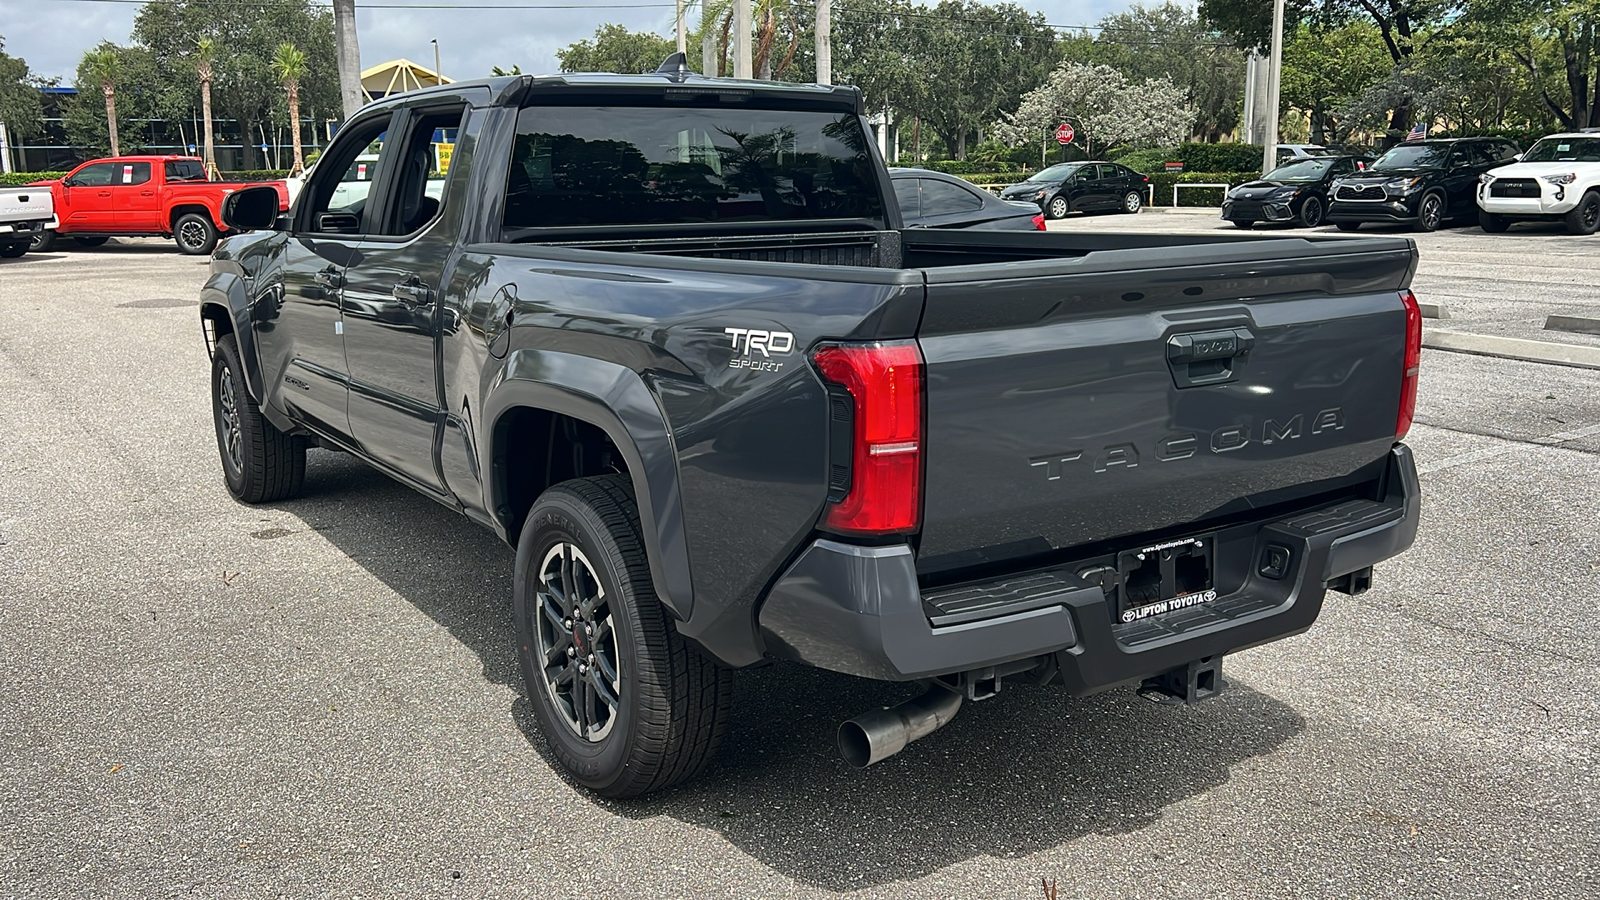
1209,357
329,278
147,193
413,291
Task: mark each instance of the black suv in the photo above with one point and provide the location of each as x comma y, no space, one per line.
1081,187
1420,182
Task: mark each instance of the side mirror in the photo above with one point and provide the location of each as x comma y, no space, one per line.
251,209
68,182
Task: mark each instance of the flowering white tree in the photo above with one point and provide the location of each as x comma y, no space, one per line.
1103,107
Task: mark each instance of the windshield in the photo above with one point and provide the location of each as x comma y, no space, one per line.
1313,150
1414,156
1303,170
1565,150
1057,172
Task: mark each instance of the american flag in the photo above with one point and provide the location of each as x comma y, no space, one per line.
1417,133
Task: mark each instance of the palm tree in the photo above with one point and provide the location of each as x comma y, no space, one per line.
289,65
205,53
101,66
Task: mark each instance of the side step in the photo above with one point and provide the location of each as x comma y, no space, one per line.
1186,685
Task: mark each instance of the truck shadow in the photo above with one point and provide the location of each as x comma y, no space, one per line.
1023,772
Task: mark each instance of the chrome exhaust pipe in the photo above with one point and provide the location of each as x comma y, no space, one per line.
875,736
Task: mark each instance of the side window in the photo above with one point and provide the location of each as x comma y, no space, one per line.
336,197
97,175
1508,150
1343,167
1485,153
941,198
419,176
133,173
1459,156
905,191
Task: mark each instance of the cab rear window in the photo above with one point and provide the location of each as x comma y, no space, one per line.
575,166
185,170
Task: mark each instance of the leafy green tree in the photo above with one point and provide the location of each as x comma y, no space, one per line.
1557,43
1325,68
616,49
289,64
1170,41
246,88
1104,107
19,95
499,72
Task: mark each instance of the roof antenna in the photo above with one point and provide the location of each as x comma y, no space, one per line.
675,67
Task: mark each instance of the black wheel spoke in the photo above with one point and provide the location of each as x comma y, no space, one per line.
602,691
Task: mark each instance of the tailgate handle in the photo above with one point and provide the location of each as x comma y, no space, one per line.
1209,357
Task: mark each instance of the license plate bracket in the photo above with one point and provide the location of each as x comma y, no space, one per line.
1165,577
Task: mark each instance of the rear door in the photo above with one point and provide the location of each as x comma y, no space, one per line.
1111,396
136,205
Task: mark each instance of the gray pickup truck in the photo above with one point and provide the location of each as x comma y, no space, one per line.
667,337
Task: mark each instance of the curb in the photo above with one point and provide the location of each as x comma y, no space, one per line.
1436,311
1574,355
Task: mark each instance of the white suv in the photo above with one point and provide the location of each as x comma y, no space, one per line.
1559,178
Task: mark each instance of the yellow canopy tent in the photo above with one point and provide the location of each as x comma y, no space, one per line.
398,75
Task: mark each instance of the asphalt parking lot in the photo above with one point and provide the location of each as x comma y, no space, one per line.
319,698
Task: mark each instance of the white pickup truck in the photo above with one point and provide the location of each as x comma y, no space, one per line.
24,213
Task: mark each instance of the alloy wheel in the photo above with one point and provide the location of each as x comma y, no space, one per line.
1132,202
192,234
1058,208
577,643
228,419
1430,212
1591,212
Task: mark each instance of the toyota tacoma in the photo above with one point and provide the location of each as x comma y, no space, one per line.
667,337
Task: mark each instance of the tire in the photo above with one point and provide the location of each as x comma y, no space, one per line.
44,241
259,463
90,241
12,251
1242,223
1585,217
660,719
1492,223
1057,208
1430,213
195,234
1348,226
1132,202
1310,213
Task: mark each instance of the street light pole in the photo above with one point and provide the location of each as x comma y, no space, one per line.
438,76
683,33
824,41
1269,147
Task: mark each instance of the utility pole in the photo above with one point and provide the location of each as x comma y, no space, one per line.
438,76
683,34
1269,151
824,41
347,54
741,39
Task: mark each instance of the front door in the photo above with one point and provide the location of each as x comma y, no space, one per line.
301,337
134,203
86,194
392,309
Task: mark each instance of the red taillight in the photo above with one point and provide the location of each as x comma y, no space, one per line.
1038,223
1408,383
885,385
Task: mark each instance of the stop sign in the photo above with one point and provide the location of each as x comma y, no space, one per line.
1064,134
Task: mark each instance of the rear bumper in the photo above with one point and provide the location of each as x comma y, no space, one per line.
859,610
30,227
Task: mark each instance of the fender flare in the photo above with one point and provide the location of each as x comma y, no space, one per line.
614,399
225,291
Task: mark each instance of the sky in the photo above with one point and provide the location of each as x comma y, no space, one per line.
52,35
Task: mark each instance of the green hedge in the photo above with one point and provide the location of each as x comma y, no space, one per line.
15,178
1200,196
966,167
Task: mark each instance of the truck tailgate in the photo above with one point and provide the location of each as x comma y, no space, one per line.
25,204
1077,401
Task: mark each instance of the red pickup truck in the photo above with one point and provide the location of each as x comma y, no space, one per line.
142,196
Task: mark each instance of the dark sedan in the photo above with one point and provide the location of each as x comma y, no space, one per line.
1294,193
1082,187
931,199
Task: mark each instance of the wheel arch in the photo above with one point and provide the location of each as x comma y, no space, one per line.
179,211
225,309
558,399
